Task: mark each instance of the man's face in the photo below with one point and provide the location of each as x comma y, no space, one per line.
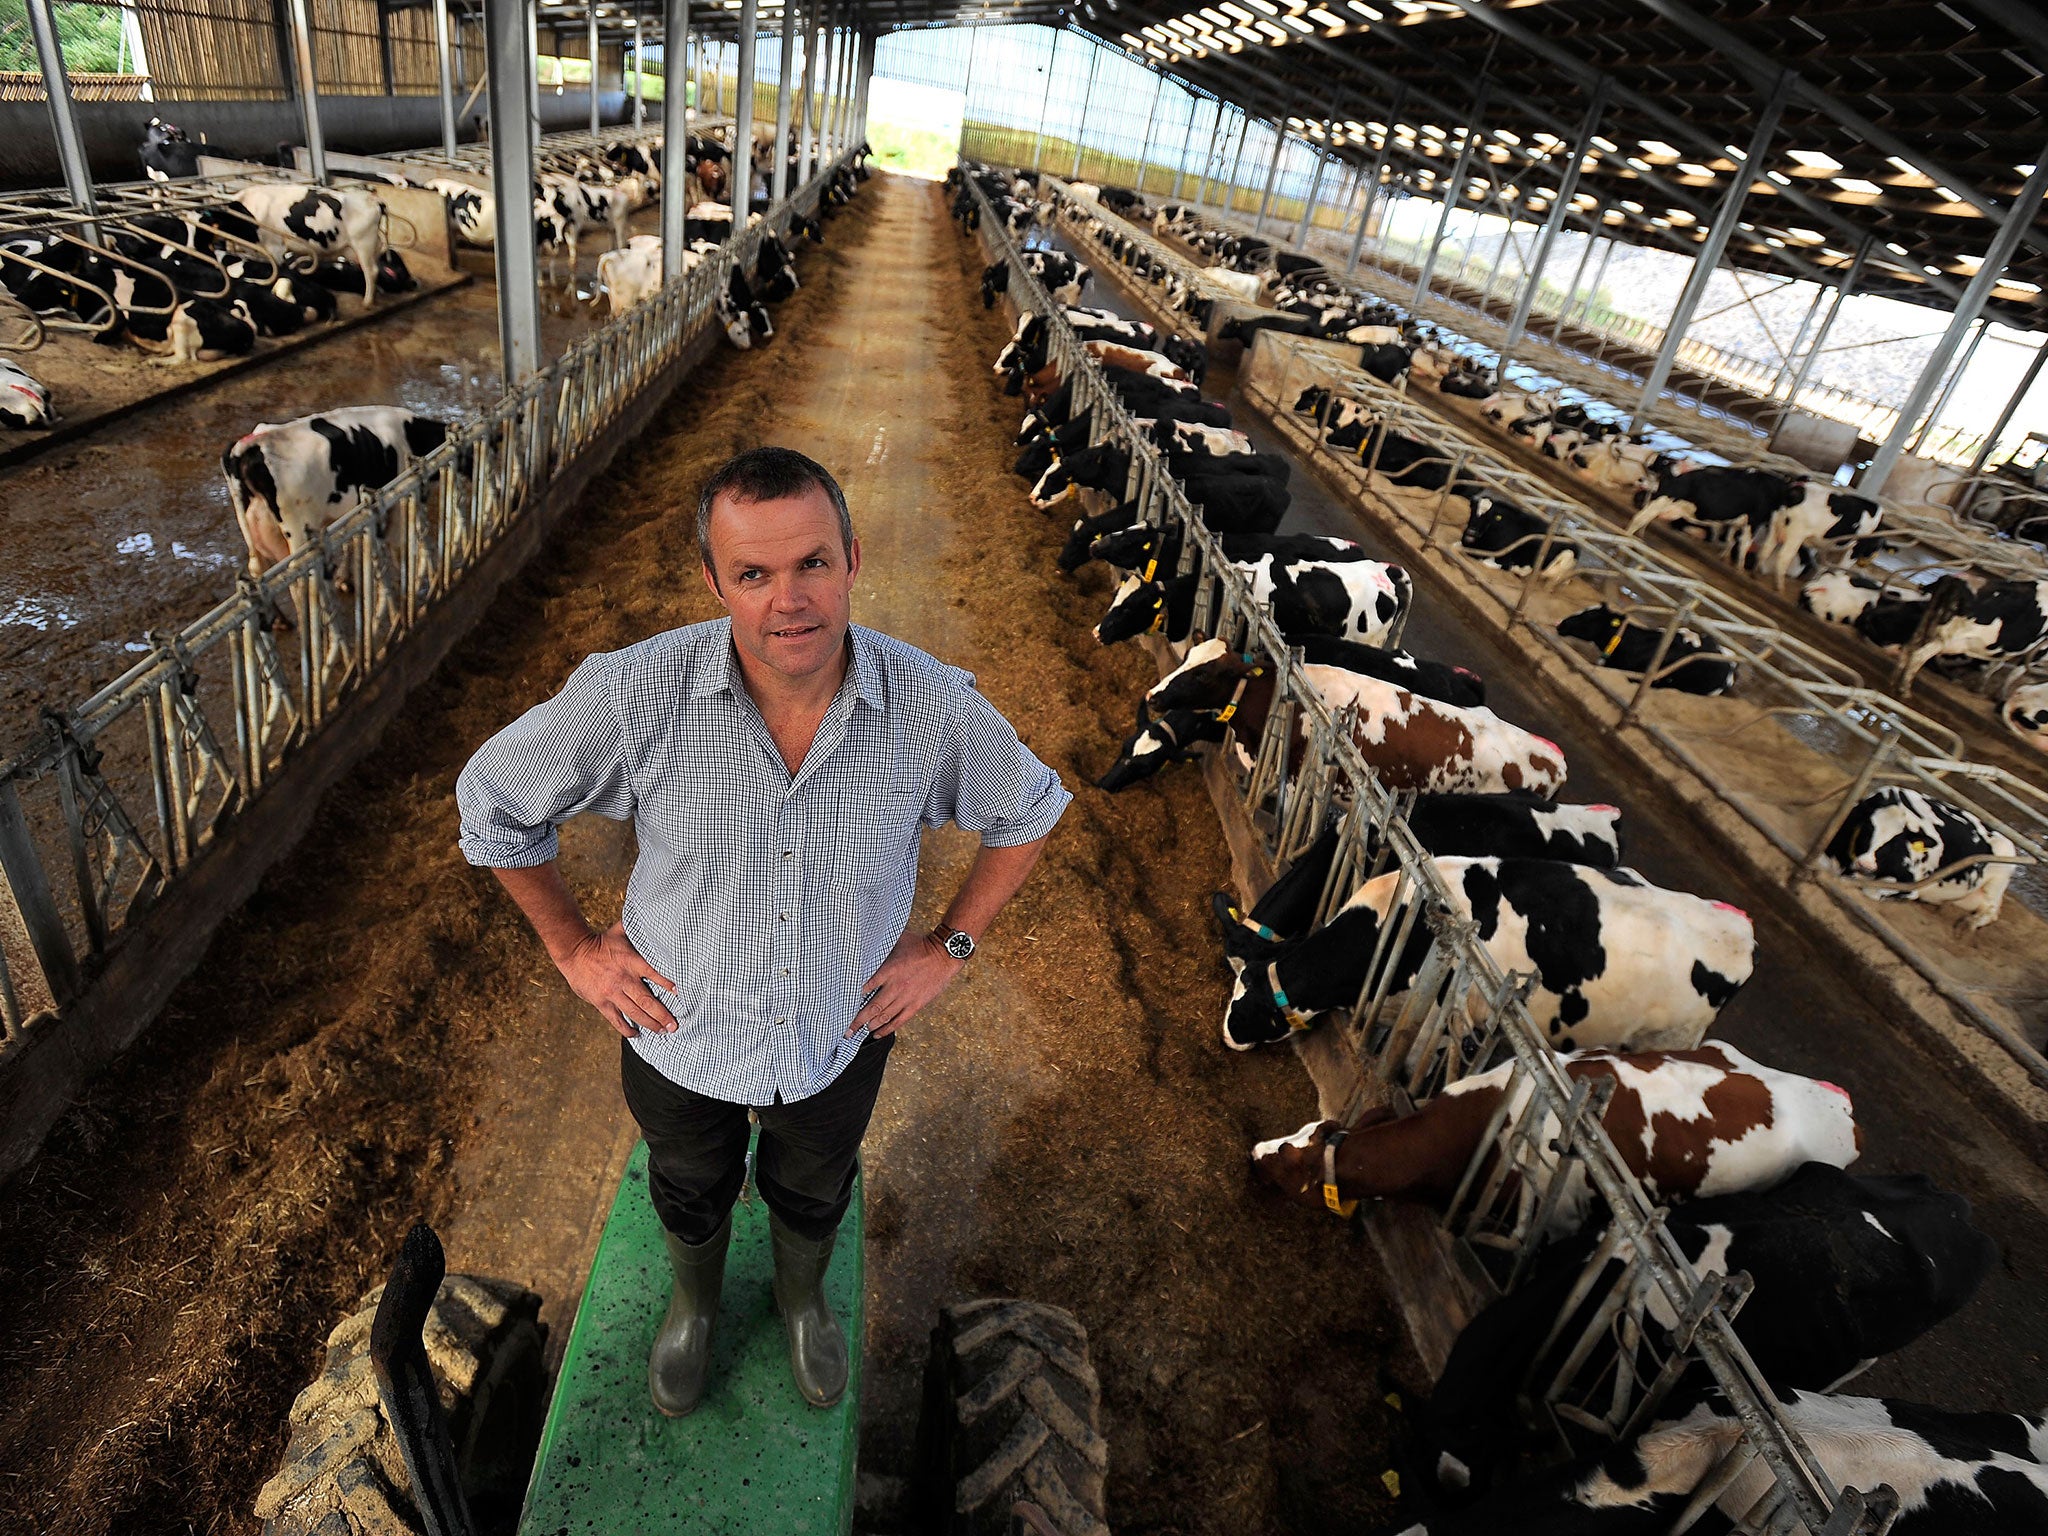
781,571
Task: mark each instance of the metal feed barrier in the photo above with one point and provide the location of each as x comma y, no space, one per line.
1462,1015
1871,738
121,795
1931,538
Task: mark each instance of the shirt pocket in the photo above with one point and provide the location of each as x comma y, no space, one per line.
875,840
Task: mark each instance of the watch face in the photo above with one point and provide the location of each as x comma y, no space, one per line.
959,945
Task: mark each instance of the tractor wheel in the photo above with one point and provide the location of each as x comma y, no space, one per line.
342,1472
1011,1415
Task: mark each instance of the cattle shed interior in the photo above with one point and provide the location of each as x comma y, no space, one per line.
1583,465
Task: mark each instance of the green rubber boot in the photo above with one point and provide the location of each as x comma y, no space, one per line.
681,1357
817,1344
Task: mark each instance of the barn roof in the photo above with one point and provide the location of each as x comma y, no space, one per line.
1910,122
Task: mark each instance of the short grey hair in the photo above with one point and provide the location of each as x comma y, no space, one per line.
768,474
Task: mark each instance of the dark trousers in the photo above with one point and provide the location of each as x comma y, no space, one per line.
697,1147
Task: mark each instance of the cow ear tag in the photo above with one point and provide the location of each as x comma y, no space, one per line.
1391,1480
1615,644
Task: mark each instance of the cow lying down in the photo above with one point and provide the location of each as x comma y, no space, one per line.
1846,1269
1619,963
1687,1123
1899,837
1956,1474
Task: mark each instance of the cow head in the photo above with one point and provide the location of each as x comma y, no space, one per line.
1598,625
1078,550
995,279
1295,1165
1312,400
1102,468
1169,739
1038,456
1207,679
1138,608
24,402
1191,357
1130,548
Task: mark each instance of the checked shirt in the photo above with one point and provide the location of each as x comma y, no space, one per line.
768,900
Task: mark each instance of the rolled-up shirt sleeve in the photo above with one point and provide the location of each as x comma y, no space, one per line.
989,782
557,760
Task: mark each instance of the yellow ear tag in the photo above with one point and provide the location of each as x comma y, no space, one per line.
1391,1480
1615,643
1393,1401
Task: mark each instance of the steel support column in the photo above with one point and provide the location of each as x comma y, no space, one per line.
1372,187
1560,209
1052,60
1151,122
1308,208
639,73
1579,272
829,99
779,188
1087,102
1244,129
2018,220
2012,406
533,73
508,38
309,99
866,64
1955,375
1187,142
1272,174
1726,218
806,112
675,133
596,120
1793,352
743,117
1851,275
1453,195
442,53
63,117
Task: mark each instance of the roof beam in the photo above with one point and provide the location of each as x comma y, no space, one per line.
1761,70
1585,75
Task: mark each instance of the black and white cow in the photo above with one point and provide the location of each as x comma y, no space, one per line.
1695,663
1620,964
1822,516
1884,615
1141,395
288,480
166,152
1719,500
1107,467
745,319
1353,599
1501,826
1899,837
1502,535
775,278
1209,674
24,401
2000,621
579,208
1025,350
2025,712
1845,1269
1956,1474
474,212
319,222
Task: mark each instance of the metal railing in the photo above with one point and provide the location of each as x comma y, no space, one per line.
1939,539
123,793
1926,539
1868,737
1547,1143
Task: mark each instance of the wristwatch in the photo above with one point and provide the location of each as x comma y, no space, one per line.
957,944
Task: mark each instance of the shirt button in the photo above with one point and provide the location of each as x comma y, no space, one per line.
780,1022
785,970
782,917
788,852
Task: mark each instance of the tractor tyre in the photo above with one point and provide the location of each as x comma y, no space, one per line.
342,1473
1011,1415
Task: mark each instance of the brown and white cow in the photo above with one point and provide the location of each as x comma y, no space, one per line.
1410,741
1702,1122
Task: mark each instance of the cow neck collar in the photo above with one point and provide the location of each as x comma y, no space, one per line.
1229,711
1333,1199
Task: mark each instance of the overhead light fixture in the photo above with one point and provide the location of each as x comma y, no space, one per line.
1607,144
1659,148
1895,248
1691,168
1859,186
1814,160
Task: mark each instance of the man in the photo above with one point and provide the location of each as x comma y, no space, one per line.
777,765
